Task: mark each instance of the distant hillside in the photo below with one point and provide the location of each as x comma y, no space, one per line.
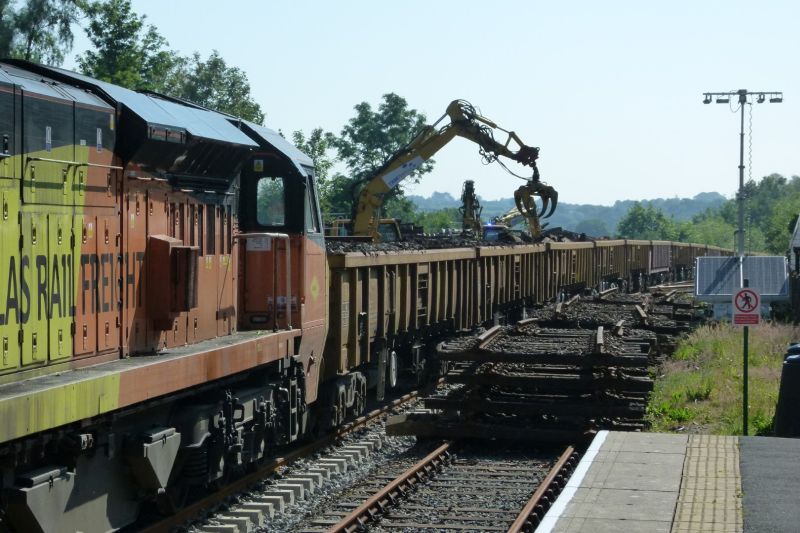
581,217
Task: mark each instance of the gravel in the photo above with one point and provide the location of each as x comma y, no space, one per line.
397,455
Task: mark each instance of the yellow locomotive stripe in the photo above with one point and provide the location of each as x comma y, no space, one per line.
30,412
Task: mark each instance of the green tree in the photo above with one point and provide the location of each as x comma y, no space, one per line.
7,30
214,84
441,219
315,146
646,222
368,140
776,228
38,30
713,230
127,51
399,207
337,197
594,227
371,137
770,204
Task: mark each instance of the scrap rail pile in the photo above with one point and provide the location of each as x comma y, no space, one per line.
573,368
438,242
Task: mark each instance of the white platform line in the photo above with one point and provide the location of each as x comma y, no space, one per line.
551,518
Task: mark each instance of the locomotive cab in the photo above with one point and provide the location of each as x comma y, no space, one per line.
278,213
282,263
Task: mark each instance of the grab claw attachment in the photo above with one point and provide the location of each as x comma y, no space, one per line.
525,198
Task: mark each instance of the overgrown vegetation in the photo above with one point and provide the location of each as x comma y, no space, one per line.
700,387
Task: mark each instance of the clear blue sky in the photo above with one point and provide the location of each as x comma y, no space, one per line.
610,91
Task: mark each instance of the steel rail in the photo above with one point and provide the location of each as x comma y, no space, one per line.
531,515
378,502
239,485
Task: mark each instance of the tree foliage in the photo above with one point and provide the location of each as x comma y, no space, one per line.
366,142
37,30
646,222
770,206
440,220
129,52
316,146
372,136
214,84
594,227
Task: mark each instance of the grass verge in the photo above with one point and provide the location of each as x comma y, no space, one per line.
699,390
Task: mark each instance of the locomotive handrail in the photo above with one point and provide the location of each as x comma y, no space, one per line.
255,235
100,165
281,236
72,163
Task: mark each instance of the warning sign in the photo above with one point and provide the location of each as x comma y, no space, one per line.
746,308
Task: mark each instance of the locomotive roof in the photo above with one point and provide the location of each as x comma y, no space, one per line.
153,110
156,110
41,85
198,122
272,138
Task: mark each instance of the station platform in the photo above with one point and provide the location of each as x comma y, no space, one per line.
652,482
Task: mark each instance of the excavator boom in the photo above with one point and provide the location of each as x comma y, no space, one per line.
464,122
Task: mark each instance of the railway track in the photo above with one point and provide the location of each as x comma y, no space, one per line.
451,488
181,520
419,487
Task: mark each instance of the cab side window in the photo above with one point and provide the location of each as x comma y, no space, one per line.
312,214
271,202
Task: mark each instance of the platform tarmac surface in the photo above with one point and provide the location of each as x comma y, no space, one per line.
653,482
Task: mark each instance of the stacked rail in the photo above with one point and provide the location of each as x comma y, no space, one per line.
575,367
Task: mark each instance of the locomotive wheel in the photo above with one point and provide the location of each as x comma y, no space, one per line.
392,370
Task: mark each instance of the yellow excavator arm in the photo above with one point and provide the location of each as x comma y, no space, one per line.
464,122
514,216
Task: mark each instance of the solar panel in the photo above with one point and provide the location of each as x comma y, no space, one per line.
718,278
